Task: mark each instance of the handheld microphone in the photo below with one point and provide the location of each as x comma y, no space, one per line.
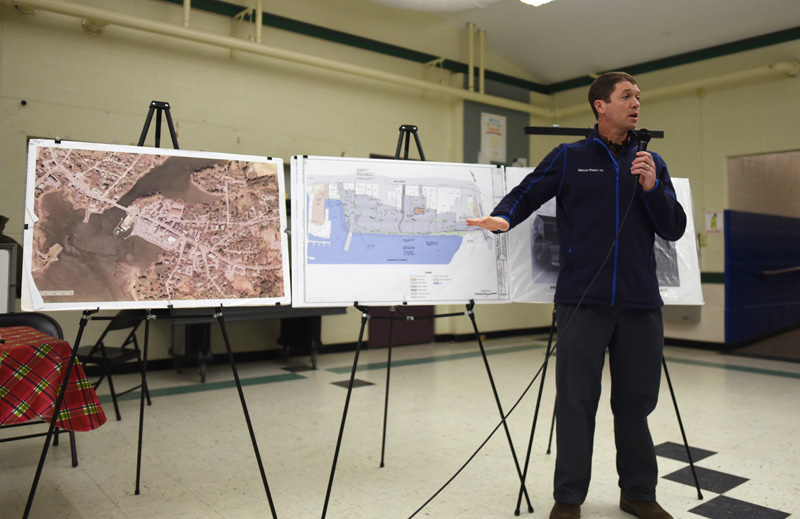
644,139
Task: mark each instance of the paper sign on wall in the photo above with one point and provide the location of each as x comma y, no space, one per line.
715,222
493,139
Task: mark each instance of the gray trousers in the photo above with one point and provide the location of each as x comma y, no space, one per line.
635,343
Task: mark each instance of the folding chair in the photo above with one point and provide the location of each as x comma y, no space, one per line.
110,359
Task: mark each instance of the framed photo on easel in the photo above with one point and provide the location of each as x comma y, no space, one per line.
116,227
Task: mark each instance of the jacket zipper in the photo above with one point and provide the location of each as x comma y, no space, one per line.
616,225
616,243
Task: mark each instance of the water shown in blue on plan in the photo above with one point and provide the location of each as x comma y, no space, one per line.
369,248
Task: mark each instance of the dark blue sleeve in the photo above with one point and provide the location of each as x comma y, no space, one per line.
666,213
539,186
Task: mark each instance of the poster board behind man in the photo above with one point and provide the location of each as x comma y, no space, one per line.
115,227
534,264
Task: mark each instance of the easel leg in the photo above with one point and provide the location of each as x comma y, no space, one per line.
144,394
364,319
221,320
499,406
536,412
552,425
56,409
677,414
680,424
316,339
388,372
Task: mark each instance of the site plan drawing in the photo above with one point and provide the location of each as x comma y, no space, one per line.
132,227
394,232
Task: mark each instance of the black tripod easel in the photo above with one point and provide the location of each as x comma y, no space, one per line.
163,108
56,410
405,132
218,315
549,351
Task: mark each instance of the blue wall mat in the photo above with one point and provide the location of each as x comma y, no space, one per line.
756,305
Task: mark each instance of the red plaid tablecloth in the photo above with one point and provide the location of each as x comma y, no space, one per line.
32,367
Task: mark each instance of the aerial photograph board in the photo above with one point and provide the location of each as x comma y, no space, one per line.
114,227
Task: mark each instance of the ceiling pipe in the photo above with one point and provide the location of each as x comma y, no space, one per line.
791,68
482,61
259,20
229,42
788,68
471,66
187,8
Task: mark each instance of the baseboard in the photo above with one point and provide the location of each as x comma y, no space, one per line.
499,334
697,345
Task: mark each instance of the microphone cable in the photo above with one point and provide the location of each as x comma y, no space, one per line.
539,371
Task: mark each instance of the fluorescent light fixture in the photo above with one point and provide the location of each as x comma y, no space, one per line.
535,2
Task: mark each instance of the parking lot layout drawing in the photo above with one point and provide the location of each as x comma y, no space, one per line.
132,227
390,231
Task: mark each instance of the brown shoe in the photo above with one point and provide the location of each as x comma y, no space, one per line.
565,511
643,509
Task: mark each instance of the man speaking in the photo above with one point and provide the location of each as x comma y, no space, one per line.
612,198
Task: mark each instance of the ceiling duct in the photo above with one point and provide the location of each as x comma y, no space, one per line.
232,43
437,5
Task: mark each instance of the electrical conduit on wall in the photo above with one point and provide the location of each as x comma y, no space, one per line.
177,31
103,17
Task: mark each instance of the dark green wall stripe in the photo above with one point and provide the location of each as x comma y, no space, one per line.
332,35
316,31
442,358
717,51
712,278
543,344
207,386
534,345
729,367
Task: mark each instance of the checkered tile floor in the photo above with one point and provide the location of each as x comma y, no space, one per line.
720,506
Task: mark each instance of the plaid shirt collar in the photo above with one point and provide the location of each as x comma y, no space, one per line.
615,148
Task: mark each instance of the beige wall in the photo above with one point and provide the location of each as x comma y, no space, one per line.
98,88
767,183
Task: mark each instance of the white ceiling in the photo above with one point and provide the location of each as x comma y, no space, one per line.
568,39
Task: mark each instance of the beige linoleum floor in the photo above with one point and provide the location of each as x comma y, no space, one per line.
198,460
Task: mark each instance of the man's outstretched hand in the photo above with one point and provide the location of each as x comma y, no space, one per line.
490,223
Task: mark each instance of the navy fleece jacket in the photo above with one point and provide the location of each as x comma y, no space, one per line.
593,190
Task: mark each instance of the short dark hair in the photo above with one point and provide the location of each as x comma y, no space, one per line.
604,85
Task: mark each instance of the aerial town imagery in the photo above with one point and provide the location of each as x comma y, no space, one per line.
124,226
